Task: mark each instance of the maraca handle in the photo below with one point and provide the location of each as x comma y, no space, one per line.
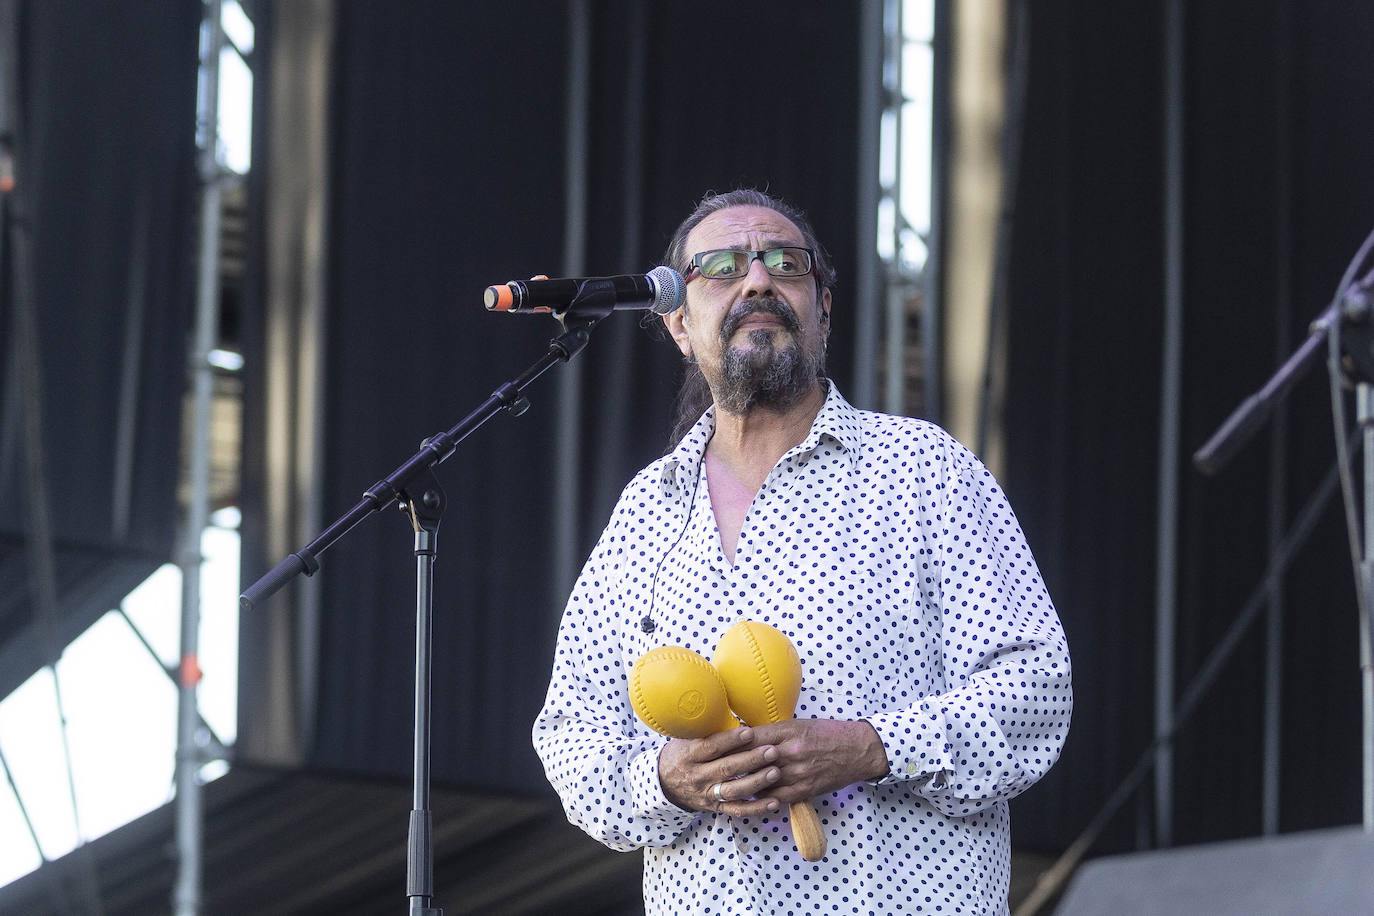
806,831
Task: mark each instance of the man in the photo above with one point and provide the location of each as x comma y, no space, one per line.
935,678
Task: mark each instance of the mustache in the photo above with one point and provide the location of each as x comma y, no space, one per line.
741,312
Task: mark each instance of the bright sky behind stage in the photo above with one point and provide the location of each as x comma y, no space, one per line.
121,712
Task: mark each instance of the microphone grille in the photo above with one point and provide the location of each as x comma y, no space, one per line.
670,290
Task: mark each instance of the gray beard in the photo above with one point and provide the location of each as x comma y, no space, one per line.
766,376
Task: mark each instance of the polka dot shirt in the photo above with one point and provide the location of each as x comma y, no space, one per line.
889,555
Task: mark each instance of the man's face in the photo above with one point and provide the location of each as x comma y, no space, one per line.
759,339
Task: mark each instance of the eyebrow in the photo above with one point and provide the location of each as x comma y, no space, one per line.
767,244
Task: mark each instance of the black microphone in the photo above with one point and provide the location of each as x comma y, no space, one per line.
660,291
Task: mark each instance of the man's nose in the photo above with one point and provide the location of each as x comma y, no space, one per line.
758,282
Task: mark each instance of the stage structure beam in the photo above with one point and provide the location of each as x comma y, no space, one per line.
190,830
1166,570
568,431
1279,428
866,269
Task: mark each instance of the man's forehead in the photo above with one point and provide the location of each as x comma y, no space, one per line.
725,228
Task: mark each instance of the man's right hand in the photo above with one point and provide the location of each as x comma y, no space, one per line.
689,769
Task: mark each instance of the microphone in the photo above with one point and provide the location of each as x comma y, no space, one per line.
660,291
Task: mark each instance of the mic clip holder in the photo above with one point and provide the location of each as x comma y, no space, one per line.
1357,337
595,300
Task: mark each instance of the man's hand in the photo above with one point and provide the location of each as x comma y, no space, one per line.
760,769
819,756
689,769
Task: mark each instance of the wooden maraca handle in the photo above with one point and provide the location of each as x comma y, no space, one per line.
806,831
762,675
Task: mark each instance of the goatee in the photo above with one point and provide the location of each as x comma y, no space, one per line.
764,375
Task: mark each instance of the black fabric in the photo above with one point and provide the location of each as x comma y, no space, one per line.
1278,197
447,176
448,173
106,153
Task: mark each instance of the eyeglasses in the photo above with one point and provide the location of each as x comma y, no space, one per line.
730,263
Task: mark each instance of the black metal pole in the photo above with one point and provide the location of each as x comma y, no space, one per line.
424,500
414,485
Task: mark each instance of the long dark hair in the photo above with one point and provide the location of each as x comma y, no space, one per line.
695,395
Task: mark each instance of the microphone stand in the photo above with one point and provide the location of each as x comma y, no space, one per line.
414,486
1346,331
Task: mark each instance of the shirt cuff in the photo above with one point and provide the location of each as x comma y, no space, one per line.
914,740
646,791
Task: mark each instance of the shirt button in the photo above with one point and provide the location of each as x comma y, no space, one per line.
743,844
912,769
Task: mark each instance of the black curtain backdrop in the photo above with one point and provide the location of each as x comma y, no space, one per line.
448,171
447,176
106,153
1279,101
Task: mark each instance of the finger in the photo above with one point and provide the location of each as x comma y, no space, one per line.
744,789
787,793
713,747
743,763
778,732
755,807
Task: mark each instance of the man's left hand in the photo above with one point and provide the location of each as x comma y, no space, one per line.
819,756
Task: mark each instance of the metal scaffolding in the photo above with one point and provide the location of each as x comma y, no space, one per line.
898,284
192,739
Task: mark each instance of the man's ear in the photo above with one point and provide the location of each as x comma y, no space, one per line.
676,323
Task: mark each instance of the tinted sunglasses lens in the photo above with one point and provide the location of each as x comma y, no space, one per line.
787,262
723,263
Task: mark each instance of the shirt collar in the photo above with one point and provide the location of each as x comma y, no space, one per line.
837,421
682,465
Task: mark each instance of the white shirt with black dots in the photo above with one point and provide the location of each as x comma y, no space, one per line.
888,554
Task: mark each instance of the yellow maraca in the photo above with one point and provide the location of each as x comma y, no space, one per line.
678,693
762,676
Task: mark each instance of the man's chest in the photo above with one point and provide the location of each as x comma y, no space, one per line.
848,579
730,499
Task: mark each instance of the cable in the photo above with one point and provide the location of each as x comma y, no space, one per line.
646,623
